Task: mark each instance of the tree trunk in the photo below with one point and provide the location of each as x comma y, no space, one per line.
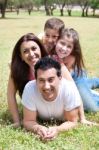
29,11
17,10
61,12
69,12
46,8
3,8
47,11
93,12
86,13
52,12
83,13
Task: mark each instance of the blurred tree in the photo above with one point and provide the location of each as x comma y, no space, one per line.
94,4
61,5
28,5
3,5
49,5
69,6
84,4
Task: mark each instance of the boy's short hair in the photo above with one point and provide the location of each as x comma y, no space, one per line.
54,23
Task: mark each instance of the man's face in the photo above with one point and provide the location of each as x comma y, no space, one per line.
48,83
50,38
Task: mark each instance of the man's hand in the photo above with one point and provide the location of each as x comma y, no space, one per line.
52,133
42,131
16,125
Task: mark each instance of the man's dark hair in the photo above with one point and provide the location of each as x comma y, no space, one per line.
46,63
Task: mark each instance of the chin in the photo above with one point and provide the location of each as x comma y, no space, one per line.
49,98
61,56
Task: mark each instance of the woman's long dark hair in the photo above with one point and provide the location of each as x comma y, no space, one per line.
19,69
77,52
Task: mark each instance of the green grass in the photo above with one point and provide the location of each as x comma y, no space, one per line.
81,138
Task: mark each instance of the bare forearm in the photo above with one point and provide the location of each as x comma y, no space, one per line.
31,125
36,128
65,73
66,126
13,107
12,103
81,113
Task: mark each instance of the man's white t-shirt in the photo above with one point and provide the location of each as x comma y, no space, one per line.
67,99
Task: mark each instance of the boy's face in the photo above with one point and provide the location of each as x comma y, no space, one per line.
64,47
50,38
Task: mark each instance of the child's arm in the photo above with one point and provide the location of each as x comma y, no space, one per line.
69,62
65,73
82,117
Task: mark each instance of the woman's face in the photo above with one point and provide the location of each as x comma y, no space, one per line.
30,52
64,47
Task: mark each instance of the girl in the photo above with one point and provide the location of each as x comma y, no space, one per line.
69,52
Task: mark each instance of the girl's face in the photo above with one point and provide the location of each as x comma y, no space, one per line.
64,47
30,53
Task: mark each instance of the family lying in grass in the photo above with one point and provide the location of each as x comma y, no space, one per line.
51,87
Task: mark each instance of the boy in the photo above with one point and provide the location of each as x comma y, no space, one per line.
52,31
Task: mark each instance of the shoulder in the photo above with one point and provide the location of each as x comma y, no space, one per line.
30,85
68,86
69,61
70,95
65,82
29,90
41,35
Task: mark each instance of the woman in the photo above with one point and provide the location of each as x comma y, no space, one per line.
27,51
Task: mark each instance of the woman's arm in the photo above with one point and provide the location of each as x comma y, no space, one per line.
12,103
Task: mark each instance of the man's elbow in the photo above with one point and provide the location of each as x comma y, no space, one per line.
74,119
25,124
29,125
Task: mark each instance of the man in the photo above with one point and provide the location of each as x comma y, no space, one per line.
50,96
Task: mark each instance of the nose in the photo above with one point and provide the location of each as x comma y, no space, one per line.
47,85
50,40
31,53
64,48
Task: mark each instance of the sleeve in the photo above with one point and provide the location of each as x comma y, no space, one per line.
72,98
28,98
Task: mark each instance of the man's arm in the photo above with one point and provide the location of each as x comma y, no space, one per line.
30,123
71,118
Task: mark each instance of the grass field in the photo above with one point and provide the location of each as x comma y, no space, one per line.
81,138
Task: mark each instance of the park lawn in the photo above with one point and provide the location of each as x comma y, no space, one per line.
11,29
